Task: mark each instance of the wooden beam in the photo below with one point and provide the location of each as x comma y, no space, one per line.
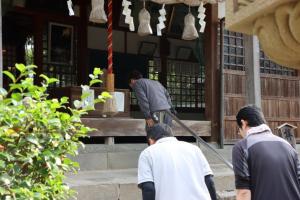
38,45
212,86
164,47
82,68
170,19
109,127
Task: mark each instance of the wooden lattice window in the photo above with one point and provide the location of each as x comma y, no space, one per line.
269,67
234,54
185,83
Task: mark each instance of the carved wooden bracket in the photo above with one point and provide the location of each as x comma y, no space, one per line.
275,22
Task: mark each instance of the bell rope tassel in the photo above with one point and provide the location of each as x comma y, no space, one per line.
98,13
144,19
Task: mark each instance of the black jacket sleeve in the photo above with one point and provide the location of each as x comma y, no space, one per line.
148,190
211,187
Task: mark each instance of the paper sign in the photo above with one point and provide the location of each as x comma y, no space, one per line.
120,101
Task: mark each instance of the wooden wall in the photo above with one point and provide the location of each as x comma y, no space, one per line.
280,100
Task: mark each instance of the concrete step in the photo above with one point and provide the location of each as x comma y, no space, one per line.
121,184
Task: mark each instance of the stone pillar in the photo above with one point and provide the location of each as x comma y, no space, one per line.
252,63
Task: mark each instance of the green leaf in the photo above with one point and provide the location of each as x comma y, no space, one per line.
21,67
45,78
65,116
16,86
10,75
32,140
64,100
97,71
17,96
3,191
93,82
106,95
2,164
52,80
5,179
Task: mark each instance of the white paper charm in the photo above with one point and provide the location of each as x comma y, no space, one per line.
70,8
162,18
201,17
127,13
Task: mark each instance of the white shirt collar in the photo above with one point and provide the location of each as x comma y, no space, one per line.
258,129
166,139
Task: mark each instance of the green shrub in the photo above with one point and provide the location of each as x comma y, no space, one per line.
36,137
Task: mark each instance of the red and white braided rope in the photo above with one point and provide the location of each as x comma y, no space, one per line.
109,38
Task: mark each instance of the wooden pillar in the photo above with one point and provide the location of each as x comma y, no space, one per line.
252,70
1,49
212,86
164,52
38,45
83,68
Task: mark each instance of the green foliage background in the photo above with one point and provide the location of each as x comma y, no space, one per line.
36,137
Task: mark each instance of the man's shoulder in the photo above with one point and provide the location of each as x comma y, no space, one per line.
146,81
239,147
241,143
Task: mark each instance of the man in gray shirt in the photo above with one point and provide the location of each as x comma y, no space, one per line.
152,98
266,167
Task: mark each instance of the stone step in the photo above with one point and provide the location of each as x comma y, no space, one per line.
124,156
121,184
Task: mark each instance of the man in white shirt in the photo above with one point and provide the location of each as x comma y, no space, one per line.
173,170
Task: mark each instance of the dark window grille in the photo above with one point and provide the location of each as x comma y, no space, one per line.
9,56
269,67
65,73
234,56
153,74
185,83
234,51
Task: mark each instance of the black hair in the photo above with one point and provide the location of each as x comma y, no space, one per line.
159,131
252,114
135,75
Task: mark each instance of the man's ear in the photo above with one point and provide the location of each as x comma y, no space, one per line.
244,123
151,141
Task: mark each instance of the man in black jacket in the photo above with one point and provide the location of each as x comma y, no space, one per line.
265,165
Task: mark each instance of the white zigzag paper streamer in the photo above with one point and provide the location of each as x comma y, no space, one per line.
162,18
71,11
127,13
201,17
